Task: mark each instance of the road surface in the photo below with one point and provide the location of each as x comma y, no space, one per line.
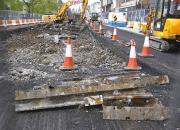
77,119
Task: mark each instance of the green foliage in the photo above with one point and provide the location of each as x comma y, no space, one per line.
31,6
11,5
2,5
45,6
16,5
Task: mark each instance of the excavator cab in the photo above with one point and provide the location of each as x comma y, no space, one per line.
166,9
166,24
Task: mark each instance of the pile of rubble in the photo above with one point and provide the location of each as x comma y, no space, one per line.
37,55
99,80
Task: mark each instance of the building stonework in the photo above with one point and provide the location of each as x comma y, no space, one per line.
124,5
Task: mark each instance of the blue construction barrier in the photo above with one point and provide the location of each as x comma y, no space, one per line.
119,24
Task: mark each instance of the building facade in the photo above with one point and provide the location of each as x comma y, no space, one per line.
106,5
95,7
130,5
125,5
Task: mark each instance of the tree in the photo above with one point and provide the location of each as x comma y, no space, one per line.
46,6
30,4
40,6
16,5
2,5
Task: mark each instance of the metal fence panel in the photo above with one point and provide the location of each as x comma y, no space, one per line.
8,15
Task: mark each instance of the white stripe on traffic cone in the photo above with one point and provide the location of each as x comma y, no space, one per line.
146,51
68,59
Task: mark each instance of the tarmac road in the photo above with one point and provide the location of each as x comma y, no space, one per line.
75,119
165,63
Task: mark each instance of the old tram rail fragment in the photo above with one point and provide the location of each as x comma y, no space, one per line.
92,94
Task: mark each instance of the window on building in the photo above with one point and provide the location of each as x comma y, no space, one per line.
175,7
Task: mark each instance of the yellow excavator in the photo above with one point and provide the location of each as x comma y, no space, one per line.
61,13
166,21
84,6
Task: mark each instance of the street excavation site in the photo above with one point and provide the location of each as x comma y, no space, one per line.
98,77
89,65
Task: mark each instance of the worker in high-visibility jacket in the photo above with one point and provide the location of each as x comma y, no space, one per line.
115,19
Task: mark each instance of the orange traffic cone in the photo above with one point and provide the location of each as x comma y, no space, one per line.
68,40
114,35
68,59
146,51
132,64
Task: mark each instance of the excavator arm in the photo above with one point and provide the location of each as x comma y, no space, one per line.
60,16
62,10
84,6
150,19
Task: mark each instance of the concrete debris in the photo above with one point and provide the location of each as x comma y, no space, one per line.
46,35
93,100
56,38
108,34
40,36
23,74
36,49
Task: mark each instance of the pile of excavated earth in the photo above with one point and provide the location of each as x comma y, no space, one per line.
35,58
